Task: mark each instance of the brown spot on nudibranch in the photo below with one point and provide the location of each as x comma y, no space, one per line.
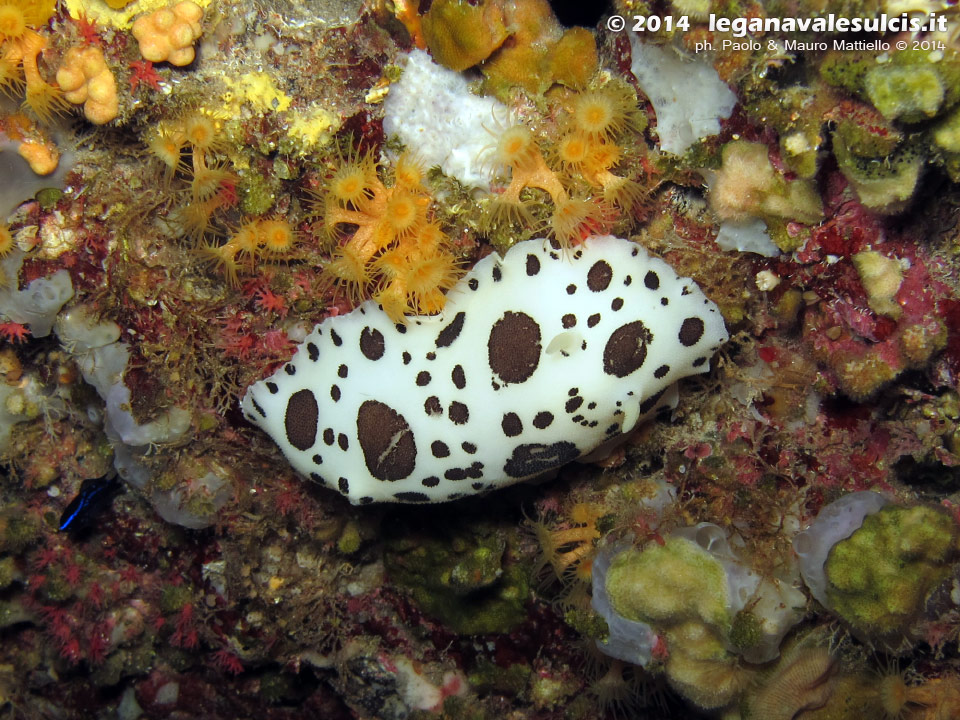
533,265
599,276
452,331
432,406
626,349
511,425
372,343
513,349
648,404
535,458
300,420
411,496
691,331
542,420
458,413
387,442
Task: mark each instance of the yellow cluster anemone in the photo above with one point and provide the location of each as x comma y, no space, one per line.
568,549
585,150
517,150
254,240
397,252
20,48
587,147
211,185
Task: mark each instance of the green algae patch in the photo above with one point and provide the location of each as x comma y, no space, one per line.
946,135
463,578
884,184
689,582
911,86
910,94
489,677
880,578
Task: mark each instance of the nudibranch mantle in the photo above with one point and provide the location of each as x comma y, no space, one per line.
538,358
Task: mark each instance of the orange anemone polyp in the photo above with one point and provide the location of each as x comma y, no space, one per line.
516,146
402,212
201,132
573,150
429,273
12,22
6,240
277,236
408,172
601,114
349,185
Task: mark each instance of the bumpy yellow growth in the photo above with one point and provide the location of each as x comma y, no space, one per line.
749,186
168,35
41,155
681,591
670,583
881,577
462,34
881,277
86,80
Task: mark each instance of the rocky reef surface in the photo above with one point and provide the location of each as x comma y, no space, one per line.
189,188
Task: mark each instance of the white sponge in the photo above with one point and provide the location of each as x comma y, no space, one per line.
836,521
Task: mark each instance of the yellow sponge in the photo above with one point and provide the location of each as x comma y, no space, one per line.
85,79
168,34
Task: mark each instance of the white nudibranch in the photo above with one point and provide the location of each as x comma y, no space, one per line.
537,359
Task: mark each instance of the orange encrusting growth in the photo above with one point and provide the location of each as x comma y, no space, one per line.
396,253
20,47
